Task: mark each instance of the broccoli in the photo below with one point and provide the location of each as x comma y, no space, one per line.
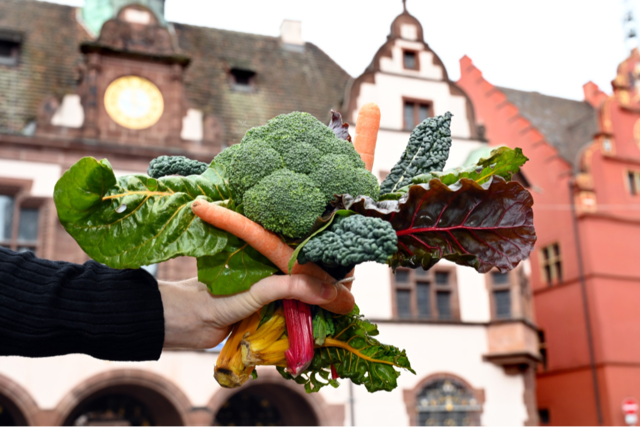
224,157
175,165
350,241
285,201
287,171
427,151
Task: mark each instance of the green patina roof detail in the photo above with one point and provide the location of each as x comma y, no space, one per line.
96,12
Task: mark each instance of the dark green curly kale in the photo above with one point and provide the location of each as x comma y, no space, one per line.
427,151
350,241
175,165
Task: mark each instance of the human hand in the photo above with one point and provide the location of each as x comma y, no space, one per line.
196,319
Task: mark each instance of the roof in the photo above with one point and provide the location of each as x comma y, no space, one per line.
48,58
565,123
287,78
299,78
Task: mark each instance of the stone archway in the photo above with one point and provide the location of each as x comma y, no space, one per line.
17,407
276,400
125,395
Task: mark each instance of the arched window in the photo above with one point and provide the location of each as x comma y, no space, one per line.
447,402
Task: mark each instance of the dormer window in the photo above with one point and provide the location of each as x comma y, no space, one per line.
242,79
9,48
410,59
137,16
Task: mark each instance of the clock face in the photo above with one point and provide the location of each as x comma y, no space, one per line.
133,102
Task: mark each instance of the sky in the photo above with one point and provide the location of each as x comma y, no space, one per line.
549,46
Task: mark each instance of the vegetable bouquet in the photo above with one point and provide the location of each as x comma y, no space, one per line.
297,196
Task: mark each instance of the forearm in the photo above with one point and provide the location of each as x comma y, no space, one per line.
53,308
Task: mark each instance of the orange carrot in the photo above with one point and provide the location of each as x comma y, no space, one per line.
269,245
367,133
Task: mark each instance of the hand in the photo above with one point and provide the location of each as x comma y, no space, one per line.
195,319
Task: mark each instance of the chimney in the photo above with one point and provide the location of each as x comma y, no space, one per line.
291,33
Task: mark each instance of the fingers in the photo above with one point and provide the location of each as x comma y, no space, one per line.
343,303
298,286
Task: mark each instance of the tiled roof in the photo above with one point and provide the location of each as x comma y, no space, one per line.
565,123
287,78
48,58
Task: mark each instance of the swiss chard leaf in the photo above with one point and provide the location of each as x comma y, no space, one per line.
341,130
355,355
137,220
503,162
427,151
479,225
234,269
323,325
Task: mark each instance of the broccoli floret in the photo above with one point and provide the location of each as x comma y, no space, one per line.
351,241
427,151
298,143
175,165
336,174
284,202
225,156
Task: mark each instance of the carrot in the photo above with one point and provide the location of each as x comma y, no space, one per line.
270,245
367,133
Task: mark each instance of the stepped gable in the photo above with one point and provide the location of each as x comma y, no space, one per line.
567,124
300,78
49,57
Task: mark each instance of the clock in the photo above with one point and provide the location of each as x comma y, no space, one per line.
133,102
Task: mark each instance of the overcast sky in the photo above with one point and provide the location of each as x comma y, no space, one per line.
549,46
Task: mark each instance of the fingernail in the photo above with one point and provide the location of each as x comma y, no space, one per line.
328,292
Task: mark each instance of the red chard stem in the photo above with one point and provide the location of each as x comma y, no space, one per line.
300,331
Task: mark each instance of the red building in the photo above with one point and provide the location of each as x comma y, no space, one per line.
584,174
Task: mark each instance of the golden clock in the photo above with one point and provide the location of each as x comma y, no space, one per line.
133,102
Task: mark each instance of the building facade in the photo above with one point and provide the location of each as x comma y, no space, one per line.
115,80
583,174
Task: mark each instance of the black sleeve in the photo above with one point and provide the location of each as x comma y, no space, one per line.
52,308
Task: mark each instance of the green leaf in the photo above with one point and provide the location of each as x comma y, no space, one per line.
235,269
503,162
483,226
322,326
355,355
294,255
137,220
427,151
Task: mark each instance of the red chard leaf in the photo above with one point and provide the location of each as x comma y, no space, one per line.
340,129
479,225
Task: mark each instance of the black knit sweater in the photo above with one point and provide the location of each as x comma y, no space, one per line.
52,308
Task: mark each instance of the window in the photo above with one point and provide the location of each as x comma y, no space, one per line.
501,292
425,294
415,112
152,269
242,80
447,402
633,180
410,60
9,47
543,415
551,264
18,223
542,348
